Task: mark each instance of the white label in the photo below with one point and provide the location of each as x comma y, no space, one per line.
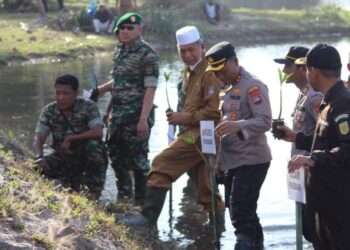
208,137
86,94
171,133
296,185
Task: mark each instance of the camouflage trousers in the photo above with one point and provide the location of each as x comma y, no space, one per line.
86,166
128,152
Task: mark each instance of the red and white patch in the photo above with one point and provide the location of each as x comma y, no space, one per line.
316,105
234,116
254,93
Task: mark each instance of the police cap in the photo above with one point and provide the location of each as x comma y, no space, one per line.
218,55
322,56
293,54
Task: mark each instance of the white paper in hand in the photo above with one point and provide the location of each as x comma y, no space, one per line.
86,94
171,133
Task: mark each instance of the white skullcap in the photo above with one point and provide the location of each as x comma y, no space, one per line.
187,35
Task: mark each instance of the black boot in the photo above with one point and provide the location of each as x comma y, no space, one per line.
124,183
140,186
151,208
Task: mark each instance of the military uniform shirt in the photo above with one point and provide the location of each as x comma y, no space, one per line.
247,103
85,116
305,114
135,69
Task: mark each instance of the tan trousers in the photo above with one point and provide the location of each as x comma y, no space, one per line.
177,159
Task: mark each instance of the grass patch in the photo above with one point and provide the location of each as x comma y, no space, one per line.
322,15
26,197
19,43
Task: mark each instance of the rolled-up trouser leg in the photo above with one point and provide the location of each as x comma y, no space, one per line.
200,174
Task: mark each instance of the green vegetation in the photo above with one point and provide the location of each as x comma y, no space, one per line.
25,198
326,19
21,39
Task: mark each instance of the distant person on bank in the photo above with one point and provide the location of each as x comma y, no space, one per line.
103,20
79,157
212,11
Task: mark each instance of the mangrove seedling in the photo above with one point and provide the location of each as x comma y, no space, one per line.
167,77
277,133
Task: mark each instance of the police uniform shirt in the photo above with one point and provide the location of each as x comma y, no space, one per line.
247,103
305,114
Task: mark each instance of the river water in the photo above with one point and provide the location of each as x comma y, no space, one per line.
26,89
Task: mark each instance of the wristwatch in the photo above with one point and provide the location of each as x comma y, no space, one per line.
314,157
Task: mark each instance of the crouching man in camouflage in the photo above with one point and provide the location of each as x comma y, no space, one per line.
79,157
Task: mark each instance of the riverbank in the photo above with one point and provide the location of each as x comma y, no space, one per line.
39,214
27,39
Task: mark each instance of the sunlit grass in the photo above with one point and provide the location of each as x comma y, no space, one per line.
24,194
324,14
18,43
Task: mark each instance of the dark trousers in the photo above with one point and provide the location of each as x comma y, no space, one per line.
333,231
60,5
308,221
242,189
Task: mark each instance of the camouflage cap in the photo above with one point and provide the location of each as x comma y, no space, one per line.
128,18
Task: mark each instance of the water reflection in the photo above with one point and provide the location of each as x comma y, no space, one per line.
26,89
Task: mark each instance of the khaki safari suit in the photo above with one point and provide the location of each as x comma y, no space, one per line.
201,102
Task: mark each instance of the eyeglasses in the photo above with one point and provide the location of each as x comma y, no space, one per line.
130,28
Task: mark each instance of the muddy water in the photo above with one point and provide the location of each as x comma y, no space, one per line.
25,89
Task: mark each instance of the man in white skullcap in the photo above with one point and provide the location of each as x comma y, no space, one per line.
198,100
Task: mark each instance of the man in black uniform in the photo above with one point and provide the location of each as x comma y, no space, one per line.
328,182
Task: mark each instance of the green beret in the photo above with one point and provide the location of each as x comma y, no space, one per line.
128,18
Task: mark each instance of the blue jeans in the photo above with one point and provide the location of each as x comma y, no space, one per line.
242,189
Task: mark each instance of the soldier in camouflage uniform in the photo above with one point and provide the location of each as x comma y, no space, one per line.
135,77
79,156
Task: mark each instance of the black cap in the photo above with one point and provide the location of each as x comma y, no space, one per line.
294,53
322,56
218,55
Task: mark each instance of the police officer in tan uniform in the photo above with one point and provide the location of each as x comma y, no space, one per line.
201,102
244,154
305,116
328,165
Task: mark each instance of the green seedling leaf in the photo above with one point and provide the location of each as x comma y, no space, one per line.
190,139
167,76
9,134
280,76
